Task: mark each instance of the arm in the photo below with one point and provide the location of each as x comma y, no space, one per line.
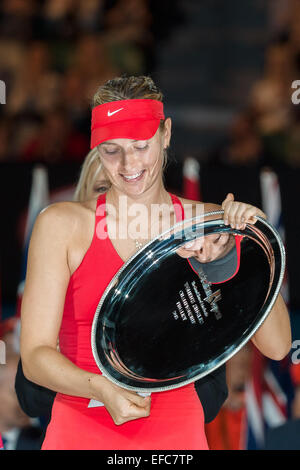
273,338
47,280
42,306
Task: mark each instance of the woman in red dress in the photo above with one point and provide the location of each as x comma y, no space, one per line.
70,264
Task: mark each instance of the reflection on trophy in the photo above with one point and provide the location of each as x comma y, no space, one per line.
165,321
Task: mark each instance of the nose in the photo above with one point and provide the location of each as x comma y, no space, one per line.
129,159
205,251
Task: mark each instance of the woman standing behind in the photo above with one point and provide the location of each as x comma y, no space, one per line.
92,180
71,263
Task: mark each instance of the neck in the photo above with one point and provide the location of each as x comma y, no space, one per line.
155,195
153,214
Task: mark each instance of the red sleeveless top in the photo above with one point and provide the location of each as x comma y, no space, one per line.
176,418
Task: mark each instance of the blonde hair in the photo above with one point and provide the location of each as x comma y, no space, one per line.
129,88
86,178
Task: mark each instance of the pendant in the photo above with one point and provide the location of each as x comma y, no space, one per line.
138,244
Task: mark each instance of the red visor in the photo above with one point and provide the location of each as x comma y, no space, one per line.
127,119
224,269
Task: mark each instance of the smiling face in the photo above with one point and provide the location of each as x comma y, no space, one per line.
214,247
133,166
208,248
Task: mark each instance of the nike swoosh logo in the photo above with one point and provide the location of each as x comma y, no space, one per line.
113,112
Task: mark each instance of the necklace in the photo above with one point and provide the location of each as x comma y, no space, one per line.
138,245
137,242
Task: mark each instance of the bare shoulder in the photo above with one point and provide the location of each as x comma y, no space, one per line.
61,219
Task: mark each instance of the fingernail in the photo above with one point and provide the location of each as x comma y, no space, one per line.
225,221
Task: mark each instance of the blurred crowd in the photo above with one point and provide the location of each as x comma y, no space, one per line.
267,131
53,56
55,53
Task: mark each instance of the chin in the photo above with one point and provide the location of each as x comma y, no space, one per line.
134,189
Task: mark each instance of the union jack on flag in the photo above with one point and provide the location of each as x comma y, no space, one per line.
270,390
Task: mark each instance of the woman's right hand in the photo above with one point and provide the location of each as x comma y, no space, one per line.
122,405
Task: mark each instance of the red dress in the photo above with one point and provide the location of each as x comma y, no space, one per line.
176,418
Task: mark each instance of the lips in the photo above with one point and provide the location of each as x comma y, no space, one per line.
134,177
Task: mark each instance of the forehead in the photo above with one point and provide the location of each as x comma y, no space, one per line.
119,142
122,142
225,248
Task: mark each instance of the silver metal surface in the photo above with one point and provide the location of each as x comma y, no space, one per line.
167,245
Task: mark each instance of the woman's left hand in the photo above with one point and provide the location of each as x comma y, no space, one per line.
238,214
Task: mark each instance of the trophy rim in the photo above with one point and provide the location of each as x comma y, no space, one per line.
221,361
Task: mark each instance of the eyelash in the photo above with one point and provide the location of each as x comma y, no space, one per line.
218,239
110,153
142,148
101,189
116,151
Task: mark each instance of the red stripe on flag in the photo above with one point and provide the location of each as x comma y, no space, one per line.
191,180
